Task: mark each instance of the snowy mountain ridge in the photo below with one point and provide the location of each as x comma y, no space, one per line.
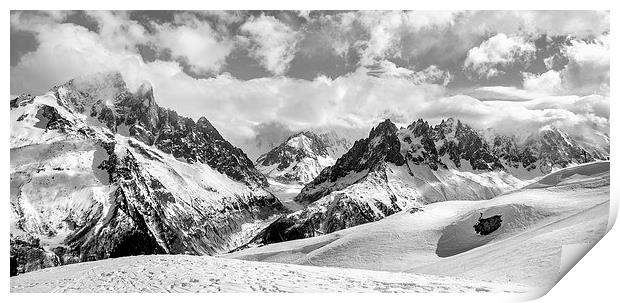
394,169
98,172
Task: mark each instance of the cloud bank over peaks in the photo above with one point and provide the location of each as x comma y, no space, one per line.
258,73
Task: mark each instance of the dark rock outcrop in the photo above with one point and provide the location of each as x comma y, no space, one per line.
549,148
488,225
21,100
456,140
382,145
28,255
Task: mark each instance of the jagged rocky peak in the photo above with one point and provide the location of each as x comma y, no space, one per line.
382,144
447,126
544,150
447,144
451,144
295,147
385,128
308,142
299,159
397,169
80,93
366,155
205,127
146,90
105,98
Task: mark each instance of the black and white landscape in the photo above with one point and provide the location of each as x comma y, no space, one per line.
286,151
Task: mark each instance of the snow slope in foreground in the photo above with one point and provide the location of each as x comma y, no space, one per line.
183,273
567,207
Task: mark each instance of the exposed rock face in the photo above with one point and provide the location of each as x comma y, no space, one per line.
49,118
447,144
295,148
21,100
382,145
485,226
395,169
301,157
549,148
139,116
98,172
28,255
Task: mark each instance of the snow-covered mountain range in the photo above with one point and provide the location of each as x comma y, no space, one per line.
98,171
398,169
432,250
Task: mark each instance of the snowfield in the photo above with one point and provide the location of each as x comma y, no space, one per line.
567,207
183,273
286,194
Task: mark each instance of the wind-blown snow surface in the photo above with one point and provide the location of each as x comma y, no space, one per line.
182,273
567,207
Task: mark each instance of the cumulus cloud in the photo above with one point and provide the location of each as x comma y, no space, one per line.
117,31
65,51
34,20
204,48
445,36
588,66
586,72
578,24
386,29
271,41
486,60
